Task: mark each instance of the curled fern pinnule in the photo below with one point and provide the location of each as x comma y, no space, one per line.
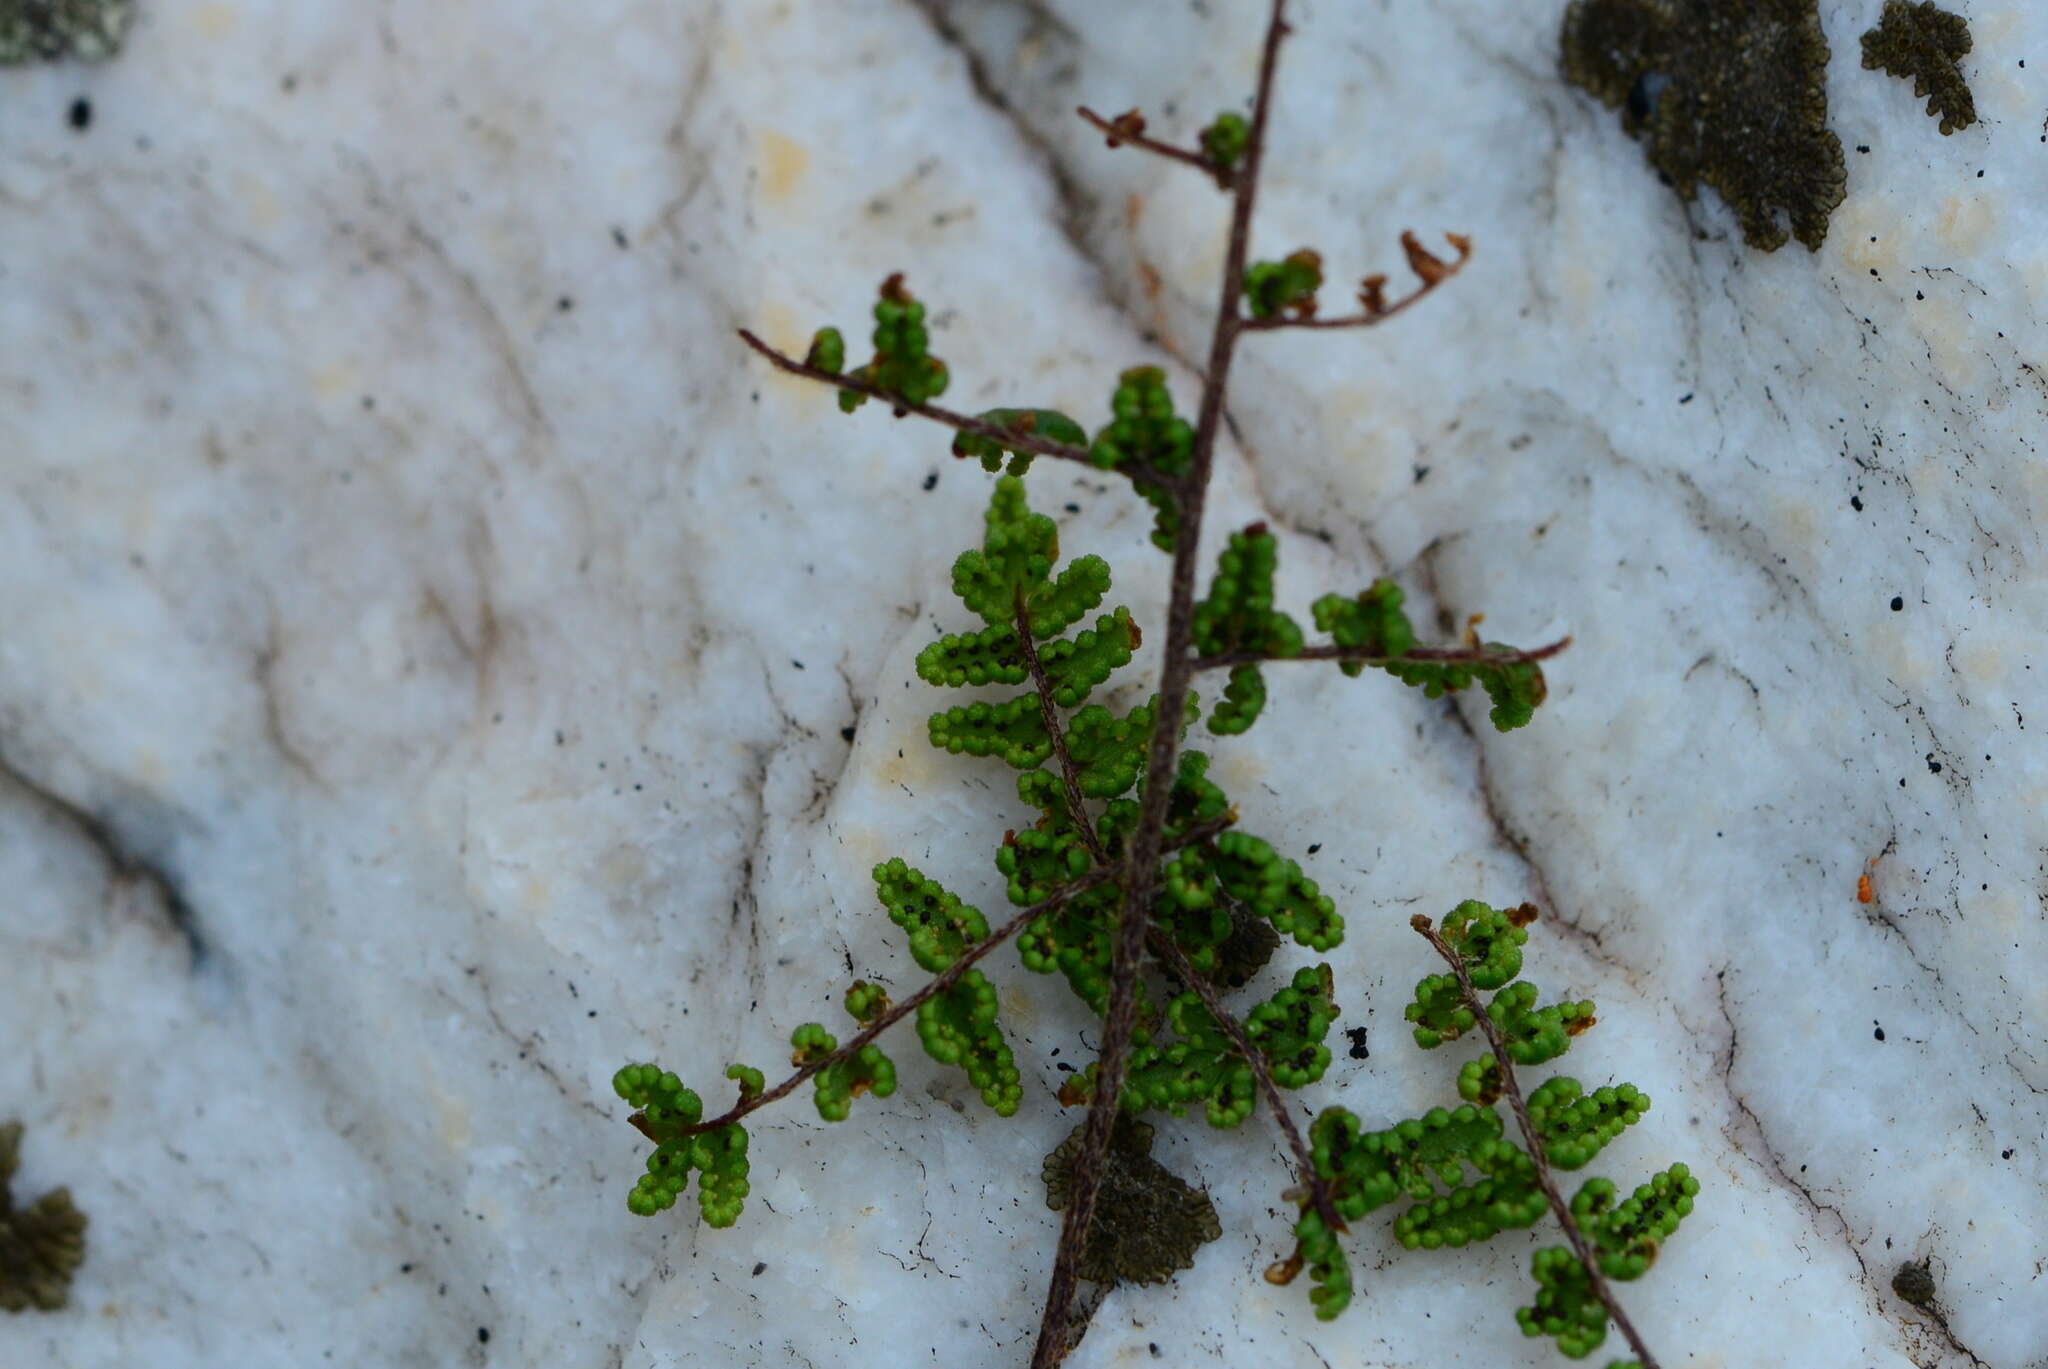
1439,1011
1292,1026
668,1112
958,1027
1050,424
1535,1034
1012,731
868,1070
940,926
1576,1126
1565,1307
1371,622
751,1081
866,1003
1475,1211
1145,438
903,366
1285,287
1329,1271
1628,1234
1275,887
1488,940
828,351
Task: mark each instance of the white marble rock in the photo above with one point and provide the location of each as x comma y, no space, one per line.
438,664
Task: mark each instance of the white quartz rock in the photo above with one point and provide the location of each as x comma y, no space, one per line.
413,586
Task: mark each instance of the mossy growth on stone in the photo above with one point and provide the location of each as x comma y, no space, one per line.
41,1244
1729,92
1924,42
47,30
1914,1282
1148,1221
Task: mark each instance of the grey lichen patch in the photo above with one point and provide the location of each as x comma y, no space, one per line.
1925,42
41,1244
46,30
1915,1283
1148,1221
1729,92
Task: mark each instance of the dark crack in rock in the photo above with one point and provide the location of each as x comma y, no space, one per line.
48,30
41,1244
1729,92
1925,42
1148,1221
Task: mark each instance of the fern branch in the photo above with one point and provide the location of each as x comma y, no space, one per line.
1068,773
1012,439
1304,1161
1511,1089
1429,268
1129,128
1478,656
1175,674
937,985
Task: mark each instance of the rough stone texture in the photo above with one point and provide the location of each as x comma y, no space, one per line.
428,640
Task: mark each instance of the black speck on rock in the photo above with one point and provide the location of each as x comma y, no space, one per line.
80,116
1729,92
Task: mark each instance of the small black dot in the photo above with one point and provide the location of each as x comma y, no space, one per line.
619,237
1863,147
759,1265
483,1335
846,733
1879,1033
931,481
1856,502
81,114
1314,847
565,304
1897,603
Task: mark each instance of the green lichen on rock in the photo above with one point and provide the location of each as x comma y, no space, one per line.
41,1244
1729,92
1148,1221
47,30
1924,41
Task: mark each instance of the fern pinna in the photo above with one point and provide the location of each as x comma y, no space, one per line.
1130,877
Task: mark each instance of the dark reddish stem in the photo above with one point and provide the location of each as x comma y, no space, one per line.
1120,131
938,984
1046,710
1476,656
1512,1090
1134,917
1304,1160
1015,441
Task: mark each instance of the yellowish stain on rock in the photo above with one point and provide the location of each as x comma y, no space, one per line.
215,21
1952,345
259,205
1965,222
1018,1008
451,1120
623,868
334,381
1856,224
782,162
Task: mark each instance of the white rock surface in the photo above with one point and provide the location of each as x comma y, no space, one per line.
437,665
